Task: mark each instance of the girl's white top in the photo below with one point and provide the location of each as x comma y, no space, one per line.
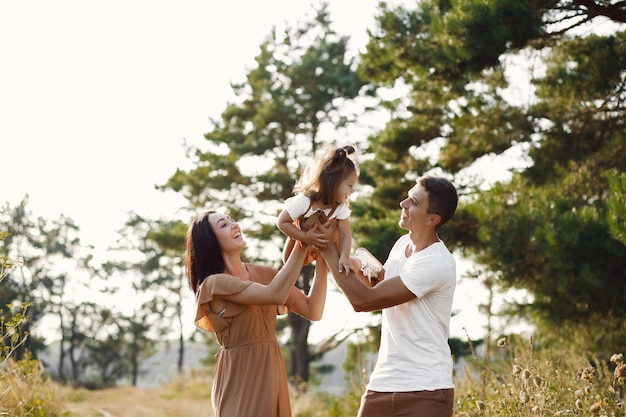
300,204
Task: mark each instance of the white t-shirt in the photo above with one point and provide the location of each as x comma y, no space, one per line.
300,204
414,353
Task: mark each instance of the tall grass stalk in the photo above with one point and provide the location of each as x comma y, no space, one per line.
526,381
23,389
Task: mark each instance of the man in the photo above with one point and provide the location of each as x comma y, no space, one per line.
413,373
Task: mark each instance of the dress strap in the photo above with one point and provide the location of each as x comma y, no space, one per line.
332,211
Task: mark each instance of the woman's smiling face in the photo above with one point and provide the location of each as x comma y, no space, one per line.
228,232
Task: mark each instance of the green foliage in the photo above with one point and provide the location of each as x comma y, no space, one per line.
448,39
616,215
553,374
522,377
256,149
155,272
303,79
13,317
47,250
98,346
530,233
579,118
359,354
554,227
108,361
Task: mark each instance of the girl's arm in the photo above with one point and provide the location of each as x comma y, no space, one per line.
345,245
311,306
311,237
285,224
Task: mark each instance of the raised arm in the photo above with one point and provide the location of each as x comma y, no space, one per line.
277,291
387,293
285,224
311,306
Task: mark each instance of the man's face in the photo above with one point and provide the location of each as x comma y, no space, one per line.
414,209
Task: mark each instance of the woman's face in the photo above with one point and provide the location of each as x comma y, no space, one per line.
227,231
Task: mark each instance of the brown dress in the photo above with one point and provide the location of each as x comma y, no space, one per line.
250,375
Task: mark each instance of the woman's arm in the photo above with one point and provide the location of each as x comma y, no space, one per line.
311,306
277,291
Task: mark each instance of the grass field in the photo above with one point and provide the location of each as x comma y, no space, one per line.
134,402
516,380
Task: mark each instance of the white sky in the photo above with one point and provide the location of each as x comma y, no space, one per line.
97,96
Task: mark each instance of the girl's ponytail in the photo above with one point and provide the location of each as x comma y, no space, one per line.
343,152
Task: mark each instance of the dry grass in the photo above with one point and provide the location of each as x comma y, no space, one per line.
134,402
186,396
23,390
518,380
523,382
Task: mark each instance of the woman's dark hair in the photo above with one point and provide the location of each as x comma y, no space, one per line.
203,251
442,197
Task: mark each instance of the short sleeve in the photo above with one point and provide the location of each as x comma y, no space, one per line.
297,205
214,285
342,212
432,269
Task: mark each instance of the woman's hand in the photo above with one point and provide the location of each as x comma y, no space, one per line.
316,238
325,232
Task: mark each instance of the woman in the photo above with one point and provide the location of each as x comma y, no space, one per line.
239,302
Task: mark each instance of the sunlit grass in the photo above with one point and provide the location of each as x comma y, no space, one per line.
24,391
524,380
194,384
520,378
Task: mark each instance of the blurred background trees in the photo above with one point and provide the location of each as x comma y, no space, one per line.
463,88
305,84
535,83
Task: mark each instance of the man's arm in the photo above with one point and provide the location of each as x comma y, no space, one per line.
388,293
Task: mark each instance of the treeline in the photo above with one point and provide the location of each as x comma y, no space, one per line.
443,77
53,278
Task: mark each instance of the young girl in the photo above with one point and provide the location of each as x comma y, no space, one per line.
321,194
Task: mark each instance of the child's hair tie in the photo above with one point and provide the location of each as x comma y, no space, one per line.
344,151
